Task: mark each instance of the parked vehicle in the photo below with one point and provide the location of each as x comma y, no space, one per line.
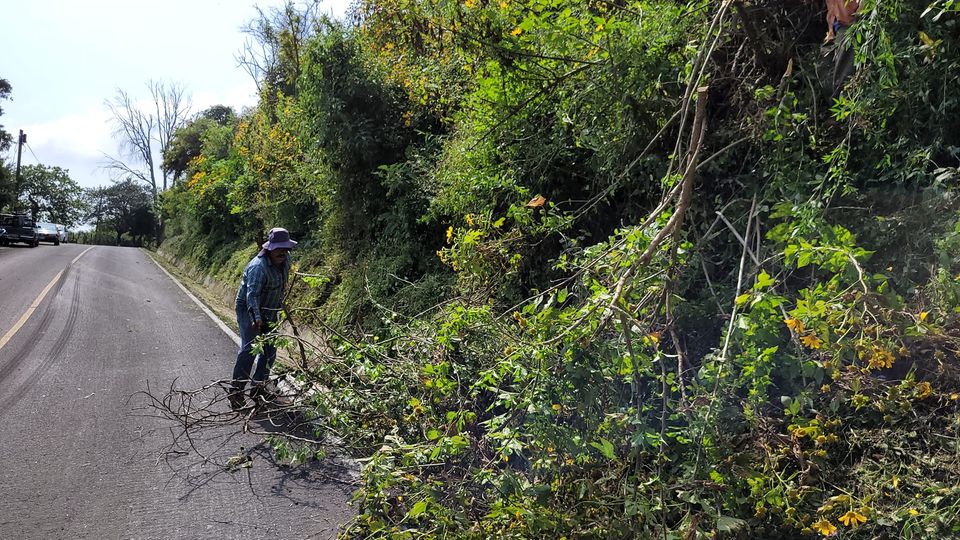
48,232
62,230
20,228
3,232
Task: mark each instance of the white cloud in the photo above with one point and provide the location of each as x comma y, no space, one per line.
86,134
75,142
238,97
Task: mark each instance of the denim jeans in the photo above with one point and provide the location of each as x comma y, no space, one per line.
245,358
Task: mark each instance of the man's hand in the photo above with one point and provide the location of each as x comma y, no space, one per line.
257,325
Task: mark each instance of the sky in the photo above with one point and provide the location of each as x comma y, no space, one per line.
66,58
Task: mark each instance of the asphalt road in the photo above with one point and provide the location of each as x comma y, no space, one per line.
82,452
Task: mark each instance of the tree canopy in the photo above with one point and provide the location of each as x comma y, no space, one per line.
125,207
6,139
208,133
49,194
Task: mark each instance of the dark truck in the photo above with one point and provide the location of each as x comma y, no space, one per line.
20,228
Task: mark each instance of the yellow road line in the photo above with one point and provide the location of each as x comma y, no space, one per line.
36,303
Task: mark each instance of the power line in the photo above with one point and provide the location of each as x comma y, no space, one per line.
32,154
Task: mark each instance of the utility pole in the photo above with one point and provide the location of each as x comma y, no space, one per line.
21,140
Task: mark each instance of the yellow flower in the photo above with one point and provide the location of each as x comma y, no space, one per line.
913,512
852,518
555,406
504,5
881,358
895,481
825,528
795,325
469,3
811,341
469,218
924,390
923,315
600,27
449,233
954,396
516,31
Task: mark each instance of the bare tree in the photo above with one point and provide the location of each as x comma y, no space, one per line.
139,130
271,53
173,110
135,131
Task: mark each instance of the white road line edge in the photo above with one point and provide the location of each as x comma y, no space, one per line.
226,329
36,303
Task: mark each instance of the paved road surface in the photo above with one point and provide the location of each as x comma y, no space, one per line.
80,455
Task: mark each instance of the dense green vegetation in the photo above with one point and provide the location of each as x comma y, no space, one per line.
610,269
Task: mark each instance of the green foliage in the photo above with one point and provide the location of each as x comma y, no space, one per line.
6,139
7,185
125,208
551,313
209,134
51,195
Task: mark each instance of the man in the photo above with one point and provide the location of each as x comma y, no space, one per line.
840,15
258,305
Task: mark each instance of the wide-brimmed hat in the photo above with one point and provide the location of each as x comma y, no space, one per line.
279,238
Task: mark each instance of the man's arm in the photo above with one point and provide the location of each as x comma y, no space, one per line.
255,279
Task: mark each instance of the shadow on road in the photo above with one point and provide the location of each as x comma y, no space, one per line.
205,445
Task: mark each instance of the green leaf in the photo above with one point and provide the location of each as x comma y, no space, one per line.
763,281
605,447
729,524
742,299
417,509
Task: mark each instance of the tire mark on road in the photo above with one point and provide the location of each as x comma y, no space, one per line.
72,273
71,323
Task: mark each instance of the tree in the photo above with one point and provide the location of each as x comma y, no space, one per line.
173,109
6,184
51,194
139,130
6,139
277,39
96,202
208,133
124,207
